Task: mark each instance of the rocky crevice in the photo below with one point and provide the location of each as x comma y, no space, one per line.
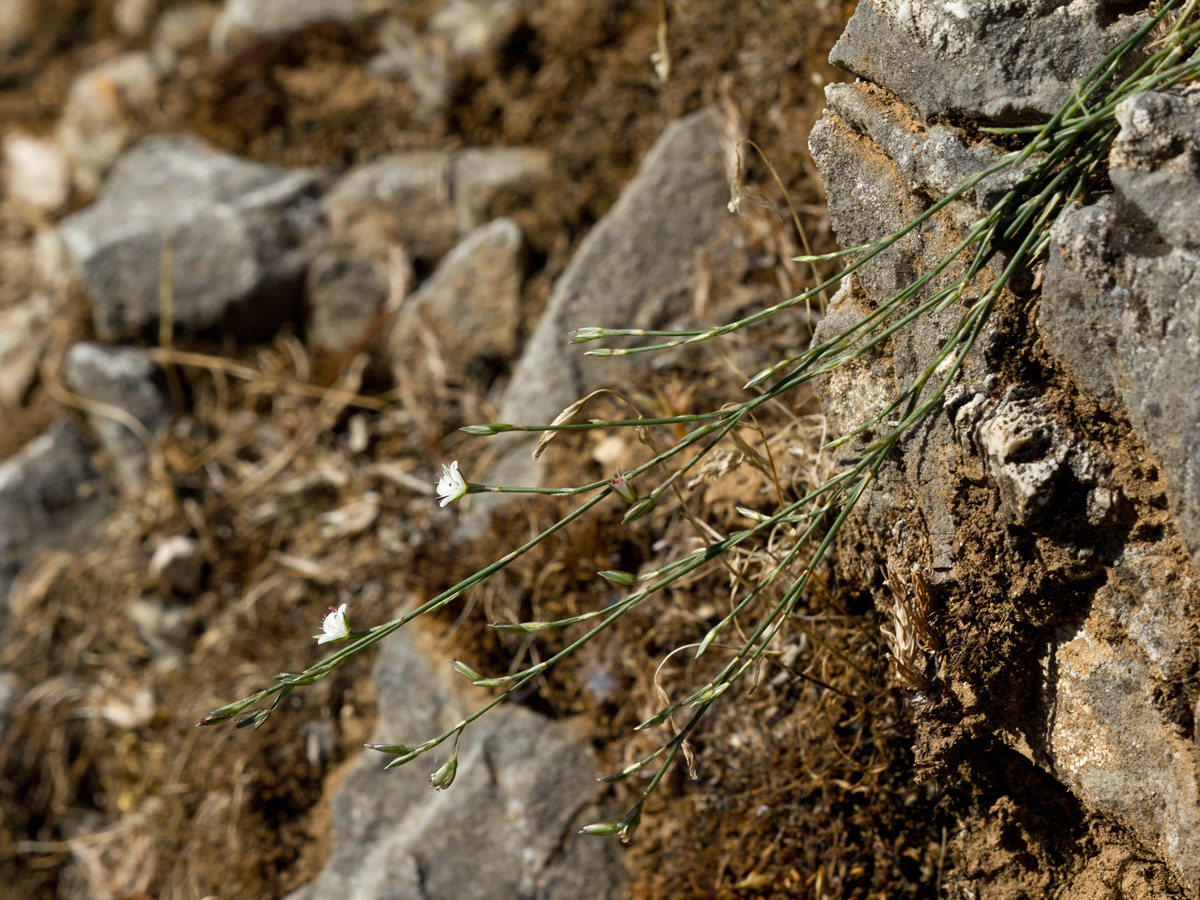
1050,497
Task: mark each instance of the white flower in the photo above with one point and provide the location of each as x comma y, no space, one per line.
451,485
335,627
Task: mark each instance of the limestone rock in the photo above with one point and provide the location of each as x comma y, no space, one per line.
177,564
486,177
463,320
988,60
18,18
505,828
235,229
633,270
51,495
181,29
1016,495
404,197
97,120
127,380
345,291
36,172
1121,305
243,21
24,331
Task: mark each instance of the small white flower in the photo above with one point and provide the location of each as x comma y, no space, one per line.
335,627
450,486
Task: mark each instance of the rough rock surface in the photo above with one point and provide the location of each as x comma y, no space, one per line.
241,21
463,320
483,177
125,380
404,197
501,830
1052,493
24,331
224,217
634,270
1121,306
51,495
992,61
96,123
345,290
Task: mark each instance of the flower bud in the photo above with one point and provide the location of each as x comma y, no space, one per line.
466,671
601,828
624,489
622,578
444,777
638,510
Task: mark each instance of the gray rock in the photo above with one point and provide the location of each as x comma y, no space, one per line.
235,228
881,168
505,828
404,197
463,320
36,172
241,22
132,18
127,381
431,61
475,27
24,333
1121,304
177,563
1016,473
10,689
181,29
633,270
1106,737
483,178
995,61
18,18
345,291
51,495
98,118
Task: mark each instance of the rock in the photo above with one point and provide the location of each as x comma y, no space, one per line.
881,167
241,22
505,828
469,310
36,172
180,30
18,18
1121,304
97,119
993,61
431,61
425,66
132,18
404,197
346,288
633,270
472,28
1030,492
126,380
10,689
235,230
24,333
51,495
486,178
177,563
1108,736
